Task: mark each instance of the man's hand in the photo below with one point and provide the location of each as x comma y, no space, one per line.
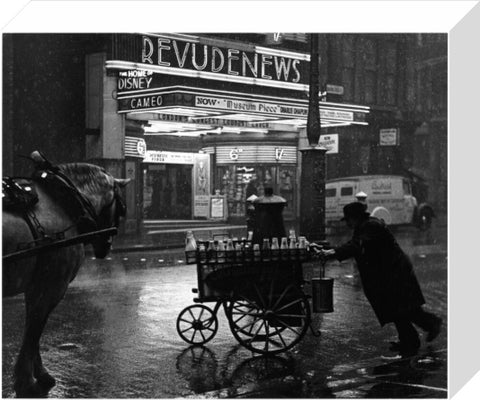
319,250
328,253
316,248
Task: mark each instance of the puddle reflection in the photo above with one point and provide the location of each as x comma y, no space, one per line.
407,378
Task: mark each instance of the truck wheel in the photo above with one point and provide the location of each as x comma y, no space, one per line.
383,214
424,220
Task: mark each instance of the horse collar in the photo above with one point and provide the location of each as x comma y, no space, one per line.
75,203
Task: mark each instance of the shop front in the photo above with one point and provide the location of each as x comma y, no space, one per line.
167,191
176,185
173,185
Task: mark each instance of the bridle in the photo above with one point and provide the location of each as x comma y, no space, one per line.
120,208
102,243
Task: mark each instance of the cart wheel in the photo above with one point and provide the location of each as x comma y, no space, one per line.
197,324
267,321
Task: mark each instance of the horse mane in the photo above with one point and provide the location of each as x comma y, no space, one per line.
91,180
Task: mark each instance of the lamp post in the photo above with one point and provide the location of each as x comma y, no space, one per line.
312,179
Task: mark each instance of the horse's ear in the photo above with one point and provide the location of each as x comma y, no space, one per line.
122,182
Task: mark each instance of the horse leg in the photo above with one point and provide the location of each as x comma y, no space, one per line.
39,301
24,383
44,379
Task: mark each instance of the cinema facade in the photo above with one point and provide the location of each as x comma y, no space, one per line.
199,122
206,119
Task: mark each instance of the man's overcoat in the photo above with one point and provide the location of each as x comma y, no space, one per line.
387,275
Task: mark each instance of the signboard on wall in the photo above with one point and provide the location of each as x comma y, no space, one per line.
389,137
201,185
168,157
200,206
217,207
256,154
135,147
330,142
335,89
269,108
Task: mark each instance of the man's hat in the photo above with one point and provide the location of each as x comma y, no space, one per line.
355,210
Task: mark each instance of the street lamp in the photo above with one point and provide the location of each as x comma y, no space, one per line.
312,179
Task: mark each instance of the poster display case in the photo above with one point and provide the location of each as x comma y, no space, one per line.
239,182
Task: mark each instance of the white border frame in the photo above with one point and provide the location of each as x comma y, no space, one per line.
456,17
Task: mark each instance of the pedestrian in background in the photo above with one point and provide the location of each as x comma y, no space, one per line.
388,279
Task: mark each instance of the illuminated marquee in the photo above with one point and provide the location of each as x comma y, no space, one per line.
183,54
208,58
275,109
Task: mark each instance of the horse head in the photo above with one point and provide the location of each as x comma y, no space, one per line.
109,217
104,193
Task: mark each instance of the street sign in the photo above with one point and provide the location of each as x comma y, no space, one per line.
330,142
389,137
335,89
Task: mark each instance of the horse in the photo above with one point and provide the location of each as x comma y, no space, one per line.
44,276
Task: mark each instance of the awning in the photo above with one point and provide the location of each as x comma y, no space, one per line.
202,111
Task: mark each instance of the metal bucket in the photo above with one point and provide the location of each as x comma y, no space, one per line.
322,295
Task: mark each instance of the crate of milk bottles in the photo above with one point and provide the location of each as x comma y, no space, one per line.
243,251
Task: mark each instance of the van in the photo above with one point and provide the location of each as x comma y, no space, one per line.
388,197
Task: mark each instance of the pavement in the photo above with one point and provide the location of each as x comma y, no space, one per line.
170,234
422,376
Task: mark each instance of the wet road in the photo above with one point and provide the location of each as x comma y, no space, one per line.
114,336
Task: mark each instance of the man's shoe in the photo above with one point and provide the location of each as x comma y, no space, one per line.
391,357
403,351
435,331
409,352
395,346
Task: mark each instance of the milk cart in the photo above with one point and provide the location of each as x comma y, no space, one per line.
261,293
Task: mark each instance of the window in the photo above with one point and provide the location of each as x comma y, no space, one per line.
391,59
370,87
370,71
439,87
346,191
348,51
348,61
390,88
332,192
370,55
391,70
406,187
348,83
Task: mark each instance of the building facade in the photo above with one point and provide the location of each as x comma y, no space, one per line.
403,78
202,120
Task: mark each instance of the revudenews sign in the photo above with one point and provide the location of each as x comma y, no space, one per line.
207,58
222,58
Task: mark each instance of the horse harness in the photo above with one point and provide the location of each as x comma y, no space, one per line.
19,196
